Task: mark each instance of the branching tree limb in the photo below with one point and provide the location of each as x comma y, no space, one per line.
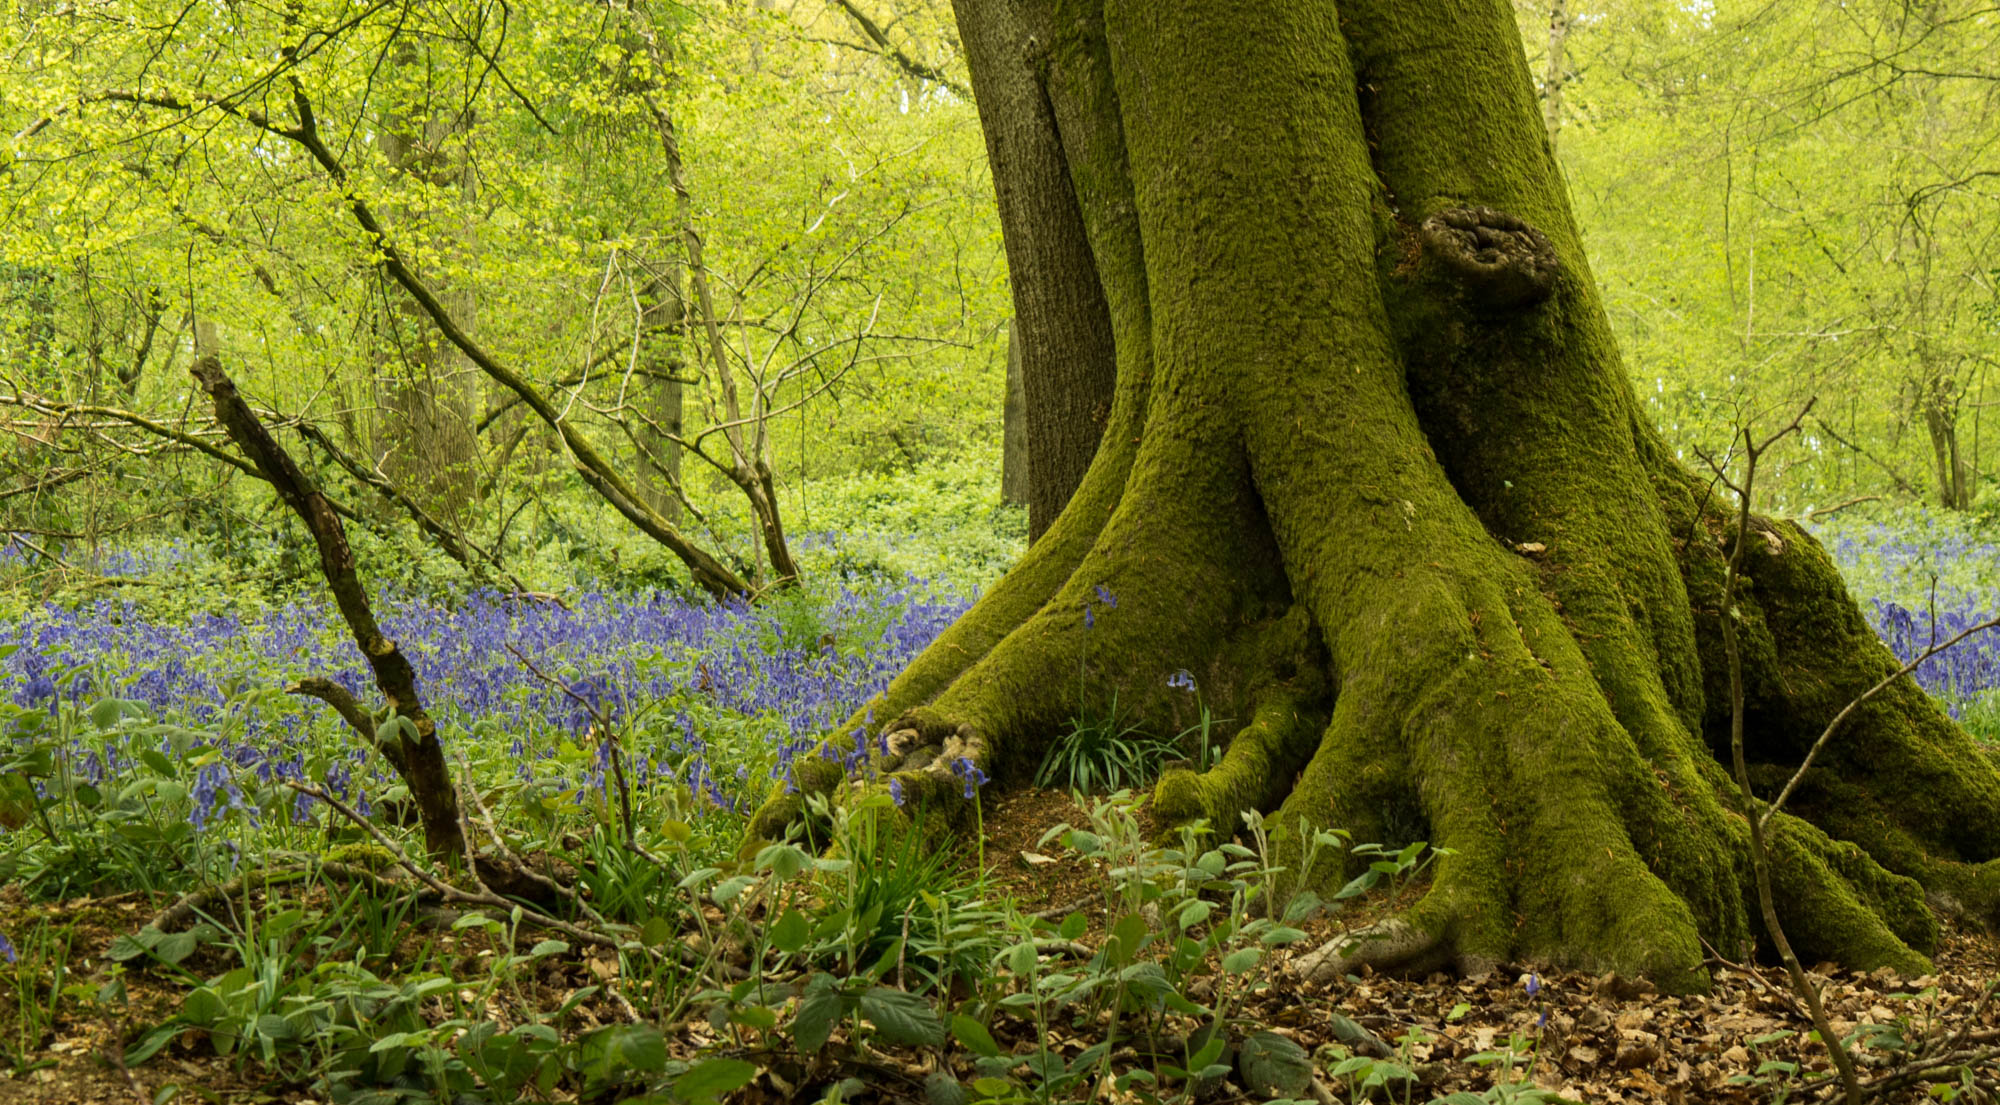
594,467
894,54
411,746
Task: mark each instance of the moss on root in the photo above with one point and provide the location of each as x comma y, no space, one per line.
1412,531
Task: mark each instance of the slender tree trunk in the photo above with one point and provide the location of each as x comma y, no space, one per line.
1014,479
411,743
1062,325
1554,73
663,312
1375,476
1940,410
424,390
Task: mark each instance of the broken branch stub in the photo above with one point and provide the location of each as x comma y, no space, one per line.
1498,261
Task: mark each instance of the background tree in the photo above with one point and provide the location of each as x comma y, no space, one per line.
1794,200
542,206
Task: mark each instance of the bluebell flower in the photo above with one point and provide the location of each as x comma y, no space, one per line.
1534,984
964,768
896,791
7,949
1182,680
1105,596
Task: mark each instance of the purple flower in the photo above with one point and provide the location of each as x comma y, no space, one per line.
896,791
1181,680
1534,984
1105,596
7,949
964,768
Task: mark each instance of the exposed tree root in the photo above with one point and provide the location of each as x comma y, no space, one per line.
1390,499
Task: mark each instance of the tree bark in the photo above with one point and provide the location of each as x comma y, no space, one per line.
412,748
662,313
1014,431
1939,403
423,390
1062,324
1553,73
1375,475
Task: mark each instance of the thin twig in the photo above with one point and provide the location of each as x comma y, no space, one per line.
1760,857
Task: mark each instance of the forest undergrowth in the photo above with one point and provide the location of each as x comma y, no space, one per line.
212,891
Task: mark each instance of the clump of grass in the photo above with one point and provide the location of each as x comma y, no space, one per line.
1104,753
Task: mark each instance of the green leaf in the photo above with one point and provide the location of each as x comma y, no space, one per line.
941,1088
175,946
1302,906
657,932
1357,886
784,861
819,1009
791,932
399,1039
638,1047
973,1035
709,1079
105,713
1128,935
900,1017
150,1044
1209,1053
275,1027
1241,960
1021,960
1274,1066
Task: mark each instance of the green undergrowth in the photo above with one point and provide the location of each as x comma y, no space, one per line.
873,969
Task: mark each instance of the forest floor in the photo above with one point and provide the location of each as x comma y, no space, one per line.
1586,1039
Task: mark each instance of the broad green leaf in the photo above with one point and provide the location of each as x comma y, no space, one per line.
900,1017
709,1079
1274,1066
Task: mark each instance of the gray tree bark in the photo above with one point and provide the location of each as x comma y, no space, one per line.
1062,326
1014,487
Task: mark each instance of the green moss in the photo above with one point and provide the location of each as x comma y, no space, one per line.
1255,771
1325,494
1836,904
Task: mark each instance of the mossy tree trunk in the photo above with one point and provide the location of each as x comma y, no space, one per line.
1375,475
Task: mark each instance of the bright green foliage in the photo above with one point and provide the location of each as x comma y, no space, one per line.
1790,200
154,203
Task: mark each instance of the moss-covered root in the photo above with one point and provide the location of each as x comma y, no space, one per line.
1255,772
1520,769
1838,904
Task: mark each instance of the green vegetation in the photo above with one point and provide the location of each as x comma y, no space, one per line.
652,356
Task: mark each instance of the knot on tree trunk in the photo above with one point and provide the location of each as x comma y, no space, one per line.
1499,261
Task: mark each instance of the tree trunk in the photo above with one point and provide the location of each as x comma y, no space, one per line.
663,311
1375,474
1940,410
1062,325
1014,431
1553,73
411,744
424,390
